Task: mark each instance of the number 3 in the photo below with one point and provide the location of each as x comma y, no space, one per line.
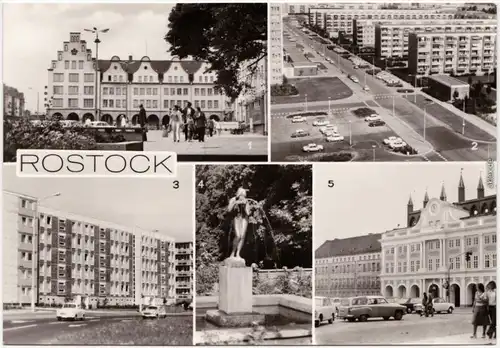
474,146
176,184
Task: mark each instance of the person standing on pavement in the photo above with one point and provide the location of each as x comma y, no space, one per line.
201,122
480,311
424,305
492,308
188,114
175,123
211,127
142,122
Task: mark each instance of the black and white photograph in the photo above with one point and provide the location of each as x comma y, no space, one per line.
97,261
253,255
383,82
406,257
190,78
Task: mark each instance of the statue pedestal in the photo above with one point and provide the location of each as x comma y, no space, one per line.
235,297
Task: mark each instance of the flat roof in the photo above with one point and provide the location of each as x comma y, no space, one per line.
454,33
404,22
448,80
296,55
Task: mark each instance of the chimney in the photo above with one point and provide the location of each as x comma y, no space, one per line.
130,58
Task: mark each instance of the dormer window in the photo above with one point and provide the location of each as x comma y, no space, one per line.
89,57
83,48
53,65
59,56
66,47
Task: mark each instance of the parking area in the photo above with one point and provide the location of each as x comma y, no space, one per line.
317,89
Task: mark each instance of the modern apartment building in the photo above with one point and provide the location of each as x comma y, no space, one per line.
451,52
125,84
391,38
348,267
336,20
184,270
429,254
276,43
13,102
96,261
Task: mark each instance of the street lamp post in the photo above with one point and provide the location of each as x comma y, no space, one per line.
96,68
37,101
34,256
373,147
350,133
425,120
305,96
329,106
463,119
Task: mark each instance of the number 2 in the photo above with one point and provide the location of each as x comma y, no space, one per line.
176,184
474,146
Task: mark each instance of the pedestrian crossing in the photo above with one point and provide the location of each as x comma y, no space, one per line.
290,114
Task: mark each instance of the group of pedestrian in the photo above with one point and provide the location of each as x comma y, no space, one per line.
484,310
192,122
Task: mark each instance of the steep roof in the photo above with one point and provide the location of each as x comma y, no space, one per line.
350,246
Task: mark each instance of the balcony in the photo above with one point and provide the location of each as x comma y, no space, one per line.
184,273
184,262
183,285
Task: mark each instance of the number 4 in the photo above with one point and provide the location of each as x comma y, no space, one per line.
474,146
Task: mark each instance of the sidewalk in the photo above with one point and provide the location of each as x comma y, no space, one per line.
462,339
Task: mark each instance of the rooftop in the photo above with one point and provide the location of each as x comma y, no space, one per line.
448,80
350,246
159,66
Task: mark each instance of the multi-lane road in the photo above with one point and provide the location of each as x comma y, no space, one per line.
441,329
407,115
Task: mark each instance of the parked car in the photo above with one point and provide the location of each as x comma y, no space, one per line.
397,144
344,305
300,133
354,78
321,121
412,304
312,147
324,309
376,123
70,311
329,128
69,123
335,138
441,305
99,124
373,117
298,119
365,307
154,312
366,88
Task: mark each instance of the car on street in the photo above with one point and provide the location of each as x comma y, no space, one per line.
388,141
397,144
366,88
441,305
329,128
312,147
335,138
154,312
300,133
412,304
364,307
354,78
372,117
321,121
99,124
376,123
298,119
344,304
324,309
71,311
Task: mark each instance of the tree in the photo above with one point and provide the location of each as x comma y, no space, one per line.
230,37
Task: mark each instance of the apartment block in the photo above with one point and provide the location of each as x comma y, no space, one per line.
451,52
184,270
391,38
276,43
337,20
83,258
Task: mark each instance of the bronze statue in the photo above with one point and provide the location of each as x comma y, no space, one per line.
239,206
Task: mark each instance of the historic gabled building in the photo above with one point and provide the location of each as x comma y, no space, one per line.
348,267
429,255
122,85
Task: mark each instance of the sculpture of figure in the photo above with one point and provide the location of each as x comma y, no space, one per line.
240,208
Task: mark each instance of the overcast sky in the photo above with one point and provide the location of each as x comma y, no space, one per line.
150,204
33,33
372,198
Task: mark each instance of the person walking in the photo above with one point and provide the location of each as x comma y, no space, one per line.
175,123
492,308
187,114
480,311
211,127
218,127
424,305
142,122
201,122
430,305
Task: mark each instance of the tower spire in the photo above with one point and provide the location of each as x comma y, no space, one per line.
443,193
410,205
426,197
461,188
480,186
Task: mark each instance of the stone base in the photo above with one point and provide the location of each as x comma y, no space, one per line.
222,319
235,287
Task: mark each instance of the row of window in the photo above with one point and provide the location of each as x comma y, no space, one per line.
89,77
73,77
73,90
349,258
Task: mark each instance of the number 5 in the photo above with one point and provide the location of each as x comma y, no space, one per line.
331,183
474,146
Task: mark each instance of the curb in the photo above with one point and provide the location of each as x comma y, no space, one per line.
204,337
